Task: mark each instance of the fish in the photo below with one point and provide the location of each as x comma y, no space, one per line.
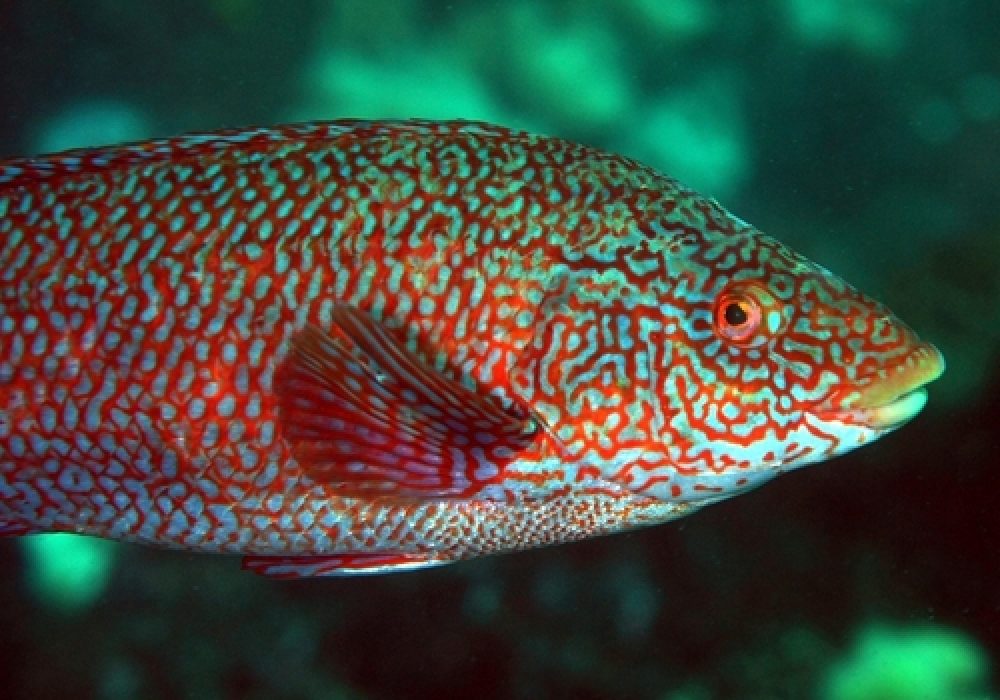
363,346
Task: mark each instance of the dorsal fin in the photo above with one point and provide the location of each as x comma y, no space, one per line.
252,142
233,142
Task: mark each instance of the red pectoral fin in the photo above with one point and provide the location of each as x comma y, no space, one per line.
338,565
364,412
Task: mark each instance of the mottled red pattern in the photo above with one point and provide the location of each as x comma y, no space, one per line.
370,346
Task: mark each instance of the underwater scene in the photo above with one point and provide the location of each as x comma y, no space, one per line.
594,394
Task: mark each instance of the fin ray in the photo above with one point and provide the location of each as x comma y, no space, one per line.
298,567
364,412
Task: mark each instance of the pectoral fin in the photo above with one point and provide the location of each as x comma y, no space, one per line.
364,412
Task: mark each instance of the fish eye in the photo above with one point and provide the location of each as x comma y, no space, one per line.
736,313
738,316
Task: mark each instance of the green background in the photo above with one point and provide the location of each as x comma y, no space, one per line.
865,133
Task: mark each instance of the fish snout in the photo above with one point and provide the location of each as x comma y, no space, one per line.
893,395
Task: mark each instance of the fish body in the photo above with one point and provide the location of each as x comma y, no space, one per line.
356,347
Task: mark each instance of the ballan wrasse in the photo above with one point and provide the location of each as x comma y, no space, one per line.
362,347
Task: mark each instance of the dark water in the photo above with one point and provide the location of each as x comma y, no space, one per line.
864,132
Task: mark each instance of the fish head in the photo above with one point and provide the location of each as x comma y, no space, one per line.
773,362
694,365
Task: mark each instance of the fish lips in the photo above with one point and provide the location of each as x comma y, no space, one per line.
892,396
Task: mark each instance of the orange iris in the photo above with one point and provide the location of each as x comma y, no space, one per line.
738,315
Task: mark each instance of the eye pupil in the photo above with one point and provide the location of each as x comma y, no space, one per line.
736,315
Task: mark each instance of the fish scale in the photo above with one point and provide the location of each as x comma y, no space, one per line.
356,347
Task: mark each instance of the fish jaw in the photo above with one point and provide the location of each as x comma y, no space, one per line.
884,402
891,397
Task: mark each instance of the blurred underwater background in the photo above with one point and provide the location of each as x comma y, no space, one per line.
864,133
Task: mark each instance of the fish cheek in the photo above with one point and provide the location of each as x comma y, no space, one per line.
719,396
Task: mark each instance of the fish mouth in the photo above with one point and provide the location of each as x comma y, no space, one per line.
895,394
